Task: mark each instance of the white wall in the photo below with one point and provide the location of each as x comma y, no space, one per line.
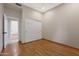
12,11
1,19
61,24
28,13
33,30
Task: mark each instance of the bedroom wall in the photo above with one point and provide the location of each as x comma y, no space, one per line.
28,13
61,24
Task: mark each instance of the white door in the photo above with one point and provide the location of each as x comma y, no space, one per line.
5,31
33,30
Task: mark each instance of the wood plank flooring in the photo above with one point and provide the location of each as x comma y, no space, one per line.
39,48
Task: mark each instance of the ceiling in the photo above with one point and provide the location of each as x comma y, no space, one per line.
42,7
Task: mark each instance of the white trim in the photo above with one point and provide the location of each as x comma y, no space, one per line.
13,18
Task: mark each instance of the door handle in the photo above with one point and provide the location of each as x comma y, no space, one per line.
5,32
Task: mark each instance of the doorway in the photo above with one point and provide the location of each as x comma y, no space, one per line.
11,31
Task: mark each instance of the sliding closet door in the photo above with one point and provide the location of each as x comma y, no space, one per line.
33,30
1,27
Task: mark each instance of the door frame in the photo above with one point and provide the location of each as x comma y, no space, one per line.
16,19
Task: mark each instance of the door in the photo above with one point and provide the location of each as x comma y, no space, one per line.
11,34
6,22
33,30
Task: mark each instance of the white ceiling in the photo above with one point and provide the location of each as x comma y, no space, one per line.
42,7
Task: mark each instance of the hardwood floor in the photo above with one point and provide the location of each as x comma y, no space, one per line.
39,48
